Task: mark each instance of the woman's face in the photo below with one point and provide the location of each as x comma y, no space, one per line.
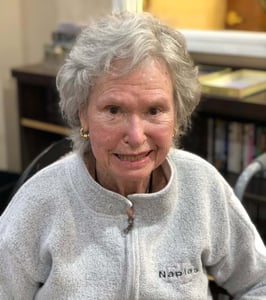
131,122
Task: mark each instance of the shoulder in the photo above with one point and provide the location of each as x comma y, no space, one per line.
198,176
54,173
205,184
190,162
50,176
40,191
39,201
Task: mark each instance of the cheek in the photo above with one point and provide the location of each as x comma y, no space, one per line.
100,140
163,141
164,134
103,139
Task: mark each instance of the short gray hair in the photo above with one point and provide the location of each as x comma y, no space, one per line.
132,37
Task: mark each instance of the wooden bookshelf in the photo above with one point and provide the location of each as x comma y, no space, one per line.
251,109
40,121
38,125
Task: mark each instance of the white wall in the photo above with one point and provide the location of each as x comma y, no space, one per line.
10,54
81,10
38,21
3,154
25,27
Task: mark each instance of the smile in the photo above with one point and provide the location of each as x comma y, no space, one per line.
132,157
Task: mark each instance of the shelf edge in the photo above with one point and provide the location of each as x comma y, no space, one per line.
35,124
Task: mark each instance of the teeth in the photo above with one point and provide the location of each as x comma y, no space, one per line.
131,157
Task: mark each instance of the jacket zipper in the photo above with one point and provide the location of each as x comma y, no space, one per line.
130,220
131,259
132,269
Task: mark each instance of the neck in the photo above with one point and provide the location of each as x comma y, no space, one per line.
155,182
124,187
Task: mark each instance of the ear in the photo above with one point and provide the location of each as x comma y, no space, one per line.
82,114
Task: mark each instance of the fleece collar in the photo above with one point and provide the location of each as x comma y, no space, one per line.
147,207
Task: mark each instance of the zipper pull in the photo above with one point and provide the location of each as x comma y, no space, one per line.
130,220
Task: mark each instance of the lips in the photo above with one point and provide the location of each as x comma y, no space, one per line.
132,157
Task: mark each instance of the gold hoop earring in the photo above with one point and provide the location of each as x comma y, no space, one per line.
84,133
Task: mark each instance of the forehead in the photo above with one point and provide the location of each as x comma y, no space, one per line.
151,72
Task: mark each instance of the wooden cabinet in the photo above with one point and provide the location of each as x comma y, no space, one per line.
41,124
251,109
40,121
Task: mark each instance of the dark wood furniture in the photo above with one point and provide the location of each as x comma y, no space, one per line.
40,121
41,124
249,109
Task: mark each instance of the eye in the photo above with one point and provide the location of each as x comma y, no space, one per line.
154,111
113,109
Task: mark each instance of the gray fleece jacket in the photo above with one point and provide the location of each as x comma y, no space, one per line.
62,238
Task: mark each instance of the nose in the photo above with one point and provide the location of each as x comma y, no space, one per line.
135,134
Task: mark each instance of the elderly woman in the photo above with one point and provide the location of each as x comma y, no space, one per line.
127,216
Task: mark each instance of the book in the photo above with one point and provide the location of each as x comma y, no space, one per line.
209,72
260,141
248,143
236,84
235,150
210,139
220,144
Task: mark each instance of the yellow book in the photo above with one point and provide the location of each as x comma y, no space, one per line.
237,84
210,71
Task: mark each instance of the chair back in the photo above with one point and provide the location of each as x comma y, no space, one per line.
49,155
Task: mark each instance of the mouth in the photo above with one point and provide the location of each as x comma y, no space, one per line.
133,158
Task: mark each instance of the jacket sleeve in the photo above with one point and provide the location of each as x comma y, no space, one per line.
19,238
242,269
15,283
